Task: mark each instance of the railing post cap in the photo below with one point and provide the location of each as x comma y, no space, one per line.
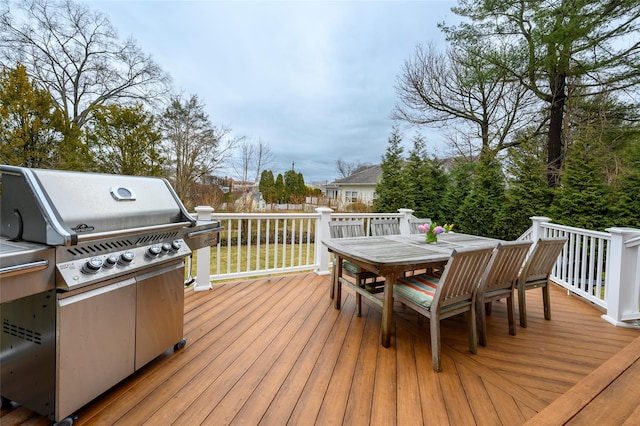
204,209
622,230
540,219
406,210
324,209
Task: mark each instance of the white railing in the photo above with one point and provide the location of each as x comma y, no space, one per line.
601,267
581,266
255,244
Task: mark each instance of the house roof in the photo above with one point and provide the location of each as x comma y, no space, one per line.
364,175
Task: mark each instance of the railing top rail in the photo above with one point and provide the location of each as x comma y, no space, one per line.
372,215
633,242
581,231
225,216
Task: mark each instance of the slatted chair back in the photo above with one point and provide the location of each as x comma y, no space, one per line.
539,264
505,266
346,228
451,294
349,229
498,282
459,282
385,227
535,274
414,223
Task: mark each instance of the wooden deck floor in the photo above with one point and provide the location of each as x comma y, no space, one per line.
276,352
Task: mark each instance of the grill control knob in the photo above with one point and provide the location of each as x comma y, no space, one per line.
176,245
153,251
111,261
166,247
92,265
126,257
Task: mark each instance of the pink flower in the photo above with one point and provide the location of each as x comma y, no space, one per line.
424,227
438,230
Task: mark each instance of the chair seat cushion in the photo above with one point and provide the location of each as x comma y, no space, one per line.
418,288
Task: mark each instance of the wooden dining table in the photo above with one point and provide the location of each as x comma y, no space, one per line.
391,256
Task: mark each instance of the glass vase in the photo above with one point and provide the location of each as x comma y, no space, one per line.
431,238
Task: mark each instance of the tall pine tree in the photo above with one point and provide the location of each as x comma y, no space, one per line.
626,206
528,193
391,191
481,213
583,198
426,181
457,190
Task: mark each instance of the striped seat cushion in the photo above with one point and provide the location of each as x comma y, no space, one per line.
418,288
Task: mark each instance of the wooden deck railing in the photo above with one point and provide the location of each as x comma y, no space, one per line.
601,267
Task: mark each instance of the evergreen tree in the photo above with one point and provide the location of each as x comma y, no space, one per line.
481,212
528,193
426,181
294,188
278,190
417,188
457,189
391,191
438,180
600,135
127,141
626,205
583,198
267,186
28,122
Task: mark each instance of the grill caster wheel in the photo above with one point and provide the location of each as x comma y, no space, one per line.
180,345
6,403
67,421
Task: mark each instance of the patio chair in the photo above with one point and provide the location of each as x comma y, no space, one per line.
451,294
414,223
535,274
349,229
499,282
385,227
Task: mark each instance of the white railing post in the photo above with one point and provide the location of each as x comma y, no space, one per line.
322,231
536,230
405,228
621,293
204,255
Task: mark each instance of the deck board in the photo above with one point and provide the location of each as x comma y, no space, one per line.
275,351
609,395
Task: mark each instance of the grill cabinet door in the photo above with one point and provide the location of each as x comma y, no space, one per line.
160,318
96,341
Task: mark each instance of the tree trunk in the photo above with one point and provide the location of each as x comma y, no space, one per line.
555,143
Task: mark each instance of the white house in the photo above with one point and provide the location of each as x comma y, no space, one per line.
357,187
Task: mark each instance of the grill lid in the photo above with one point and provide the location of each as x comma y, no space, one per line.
61,207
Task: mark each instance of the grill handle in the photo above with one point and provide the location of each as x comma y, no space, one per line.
130,231
9,271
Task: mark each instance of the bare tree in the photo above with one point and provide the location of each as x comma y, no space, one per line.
76,55
194,147
473,101
347,168
254,157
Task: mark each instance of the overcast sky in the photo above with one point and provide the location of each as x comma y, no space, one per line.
313,79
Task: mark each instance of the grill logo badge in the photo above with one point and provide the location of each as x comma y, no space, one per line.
83,227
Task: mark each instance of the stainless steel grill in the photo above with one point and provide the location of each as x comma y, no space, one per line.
92,273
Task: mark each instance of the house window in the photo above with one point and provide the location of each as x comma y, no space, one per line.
351,196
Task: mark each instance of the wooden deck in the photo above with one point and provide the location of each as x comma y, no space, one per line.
276,352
